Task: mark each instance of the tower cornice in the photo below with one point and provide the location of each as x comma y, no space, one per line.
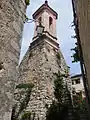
47,34
44,38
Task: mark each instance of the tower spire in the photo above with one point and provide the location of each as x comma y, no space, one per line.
46,2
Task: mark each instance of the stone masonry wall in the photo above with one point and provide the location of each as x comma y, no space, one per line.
37,67
12,16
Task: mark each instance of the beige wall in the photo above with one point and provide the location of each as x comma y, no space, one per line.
45,22
83,14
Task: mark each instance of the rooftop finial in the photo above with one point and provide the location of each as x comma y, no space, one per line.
46,2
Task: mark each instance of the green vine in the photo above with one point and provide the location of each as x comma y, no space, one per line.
26,116
76,57
30,55
59,86
24,102
25,86
79,105
58,55
27,2
59,108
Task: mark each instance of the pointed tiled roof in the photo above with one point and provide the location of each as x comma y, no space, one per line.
45,6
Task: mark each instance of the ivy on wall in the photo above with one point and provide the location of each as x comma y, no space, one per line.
76,57
27,2
59,107
58,56
79,104
23,102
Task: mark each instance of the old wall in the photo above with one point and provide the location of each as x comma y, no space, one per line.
37,67
12,16
83,14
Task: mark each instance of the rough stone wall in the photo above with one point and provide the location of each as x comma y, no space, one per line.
37,67
83,14
12,16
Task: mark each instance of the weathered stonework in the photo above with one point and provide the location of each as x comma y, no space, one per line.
38,67
12,17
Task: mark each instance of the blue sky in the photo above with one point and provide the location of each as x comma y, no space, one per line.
64,30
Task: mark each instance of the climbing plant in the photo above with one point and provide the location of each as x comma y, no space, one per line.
58,55
27,2
59,90
59,107
76,57
79,104
22,102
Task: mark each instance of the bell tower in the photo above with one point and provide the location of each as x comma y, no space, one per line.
47,17
41,61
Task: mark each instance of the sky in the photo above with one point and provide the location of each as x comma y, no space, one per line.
64,30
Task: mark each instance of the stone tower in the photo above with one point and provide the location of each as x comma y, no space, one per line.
12,17
42,59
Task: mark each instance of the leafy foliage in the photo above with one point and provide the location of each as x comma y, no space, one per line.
76,56
58,55
25,86
59,108
57,111
26,116
25,101
79,104
27,2
59,86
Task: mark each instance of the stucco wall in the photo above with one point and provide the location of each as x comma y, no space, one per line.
83,14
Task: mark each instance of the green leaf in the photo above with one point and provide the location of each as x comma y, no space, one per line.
27,2
25,86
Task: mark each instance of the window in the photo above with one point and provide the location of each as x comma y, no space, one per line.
73,82
79,93
1,65
40,19
50,22
73,91
77,81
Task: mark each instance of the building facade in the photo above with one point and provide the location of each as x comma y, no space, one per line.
77,85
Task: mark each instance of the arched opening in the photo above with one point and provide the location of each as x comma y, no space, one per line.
50,22
40,19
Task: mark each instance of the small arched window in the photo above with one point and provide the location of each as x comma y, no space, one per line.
50,22
40,19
